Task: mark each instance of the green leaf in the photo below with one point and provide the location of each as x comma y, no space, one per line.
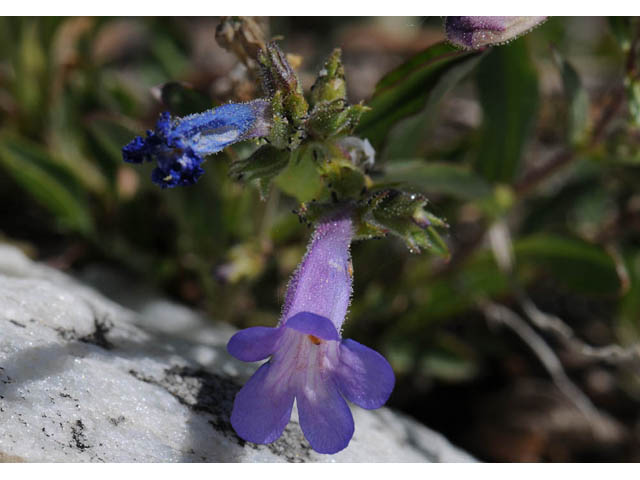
508,89
110,134
628,324
578,265
169,55
621,27
32,168
67,145
434,177
423,79
457,292
577,101
301,178
633,93
449,359
31,66
262,166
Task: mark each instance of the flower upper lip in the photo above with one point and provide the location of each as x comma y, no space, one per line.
311,324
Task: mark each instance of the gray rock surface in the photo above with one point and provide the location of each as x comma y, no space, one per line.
84,379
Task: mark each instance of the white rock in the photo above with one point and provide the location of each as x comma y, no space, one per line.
85,379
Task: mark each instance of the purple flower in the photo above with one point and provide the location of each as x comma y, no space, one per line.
309,361
478,32
178,145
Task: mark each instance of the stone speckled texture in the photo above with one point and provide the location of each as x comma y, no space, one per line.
84,379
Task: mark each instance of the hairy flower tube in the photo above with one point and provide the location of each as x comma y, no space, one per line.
309,360
478,32
178,145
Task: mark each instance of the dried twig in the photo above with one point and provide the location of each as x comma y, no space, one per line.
500,241
502,315
614,354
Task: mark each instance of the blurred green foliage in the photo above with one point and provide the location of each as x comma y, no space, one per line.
518,134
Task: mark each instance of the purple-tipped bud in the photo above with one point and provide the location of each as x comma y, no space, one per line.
277,73
179,144
479,32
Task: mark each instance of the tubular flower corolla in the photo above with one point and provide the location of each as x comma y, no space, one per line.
309,360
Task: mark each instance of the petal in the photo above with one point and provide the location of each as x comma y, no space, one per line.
255,343
261,411
325,418
163,125
312,324
141,149
364,376
135,151
177,168
164,179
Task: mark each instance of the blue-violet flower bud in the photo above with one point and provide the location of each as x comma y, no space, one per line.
309,361
178,145
478,32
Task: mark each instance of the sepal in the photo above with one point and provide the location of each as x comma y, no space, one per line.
280,82
401,214
262,166
343,178
277,73
329,119
286,128
330,84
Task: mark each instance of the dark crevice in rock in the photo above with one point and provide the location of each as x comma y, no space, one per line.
202,391
292,446
99,335
213,394
102,326
78,436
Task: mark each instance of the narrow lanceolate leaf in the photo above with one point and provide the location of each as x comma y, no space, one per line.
622,28
577,102
578,265
438,177
422,80
629,313
508,90
50,186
